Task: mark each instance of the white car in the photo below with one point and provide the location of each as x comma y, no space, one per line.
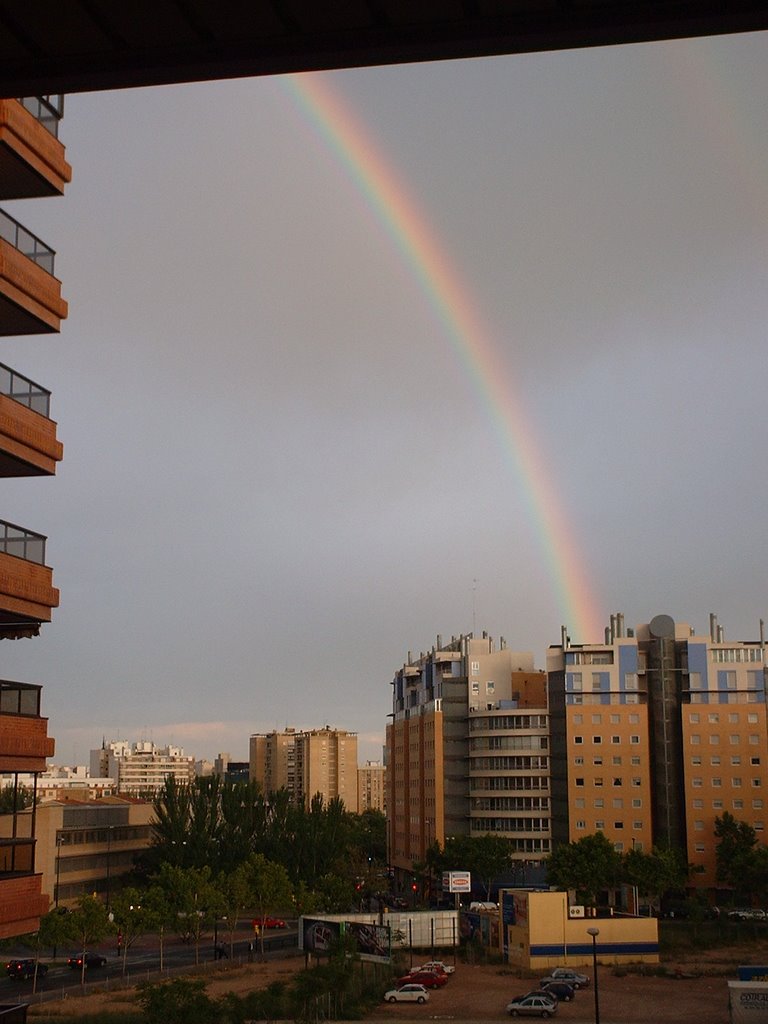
410,993
437,965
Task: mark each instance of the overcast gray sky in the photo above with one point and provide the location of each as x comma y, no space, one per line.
281,475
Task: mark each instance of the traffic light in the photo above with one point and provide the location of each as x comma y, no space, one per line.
414,887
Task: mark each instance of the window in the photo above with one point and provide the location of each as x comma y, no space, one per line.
637,826
490,686
579,782
600,825
618,803
637,803
636,781
716,782
757,805
698,805
597,739
615,719
757,783
738,805
630,680
578,719
714,761
618,781
736,759
752,718
736,782
696,761
475,667
753,739
578,761
694,718
754,760
712,717
597,719
714,739
578,739
698,825
598,761
733,739
599,804
581,824
695,782
576,681
695,738
616,760
699,848
597,681
634,739
635,761
634,719
579,802
733,716
615,739
717,805
475,688
618,824
598,782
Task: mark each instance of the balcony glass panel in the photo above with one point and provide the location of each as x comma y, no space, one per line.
19,698
48,110
24,391
22,543
27,243
17,856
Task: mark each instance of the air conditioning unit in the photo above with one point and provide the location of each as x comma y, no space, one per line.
576,912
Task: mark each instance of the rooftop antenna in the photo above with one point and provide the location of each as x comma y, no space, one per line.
474,607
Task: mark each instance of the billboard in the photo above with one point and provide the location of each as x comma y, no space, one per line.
457,881
372,940
318,936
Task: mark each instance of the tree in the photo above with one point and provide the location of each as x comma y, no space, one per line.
235,891
663,869
15,798
588,865
270,888
87,924
193,900
133,918
737,840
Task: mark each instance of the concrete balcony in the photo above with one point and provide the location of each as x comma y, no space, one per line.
22,901
27,594
28,444
30,296
24,741
31,157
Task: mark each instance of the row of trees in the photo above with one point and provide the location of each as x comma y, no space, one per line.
217,823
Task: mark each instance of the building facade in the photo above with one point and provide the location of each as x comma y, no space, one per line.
371,787
32,164
656,732
467,750
306,763
140,769
86,846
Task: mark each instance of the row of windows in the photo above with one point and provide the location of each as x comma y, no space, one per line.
616,781
510,782
599,826
718,805
509,722
599,681
635,740
510,764
580,803
734,717
736,654
715,760
616,761
510,824
604,698
510,803
734,738
613,718
715,782
589,658
509,743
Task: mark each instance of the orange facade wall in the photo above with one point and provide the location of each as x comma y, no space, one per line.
24,743
22,904
26,588
28,436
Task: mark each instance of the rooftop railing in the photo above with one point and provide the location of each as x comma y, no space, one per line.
20,543
19,698
24,391
27,243
48,110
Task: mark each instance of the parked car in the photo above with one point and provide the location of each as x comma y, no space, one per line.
430,979
535,1004
568,976
437,965
411,993
560,989
747,914
75,963
542,993
268,922
25,968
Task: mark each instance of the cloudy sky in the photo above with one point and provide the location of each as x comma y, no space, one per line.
298,446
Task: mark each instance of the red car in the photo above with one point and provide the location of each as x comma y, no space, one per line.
268,922
429,979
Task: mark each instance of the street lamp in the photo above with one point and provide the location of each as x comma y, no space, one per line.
59,840
594,932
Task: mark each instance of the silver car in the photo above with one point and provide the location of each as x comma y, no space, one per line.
535,1004
570,977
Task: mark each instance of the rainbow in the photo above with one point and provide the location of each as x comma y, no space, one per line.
469,337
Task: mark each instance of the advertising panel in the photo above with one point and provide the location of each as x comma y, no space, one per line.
457,881
318,936
373,940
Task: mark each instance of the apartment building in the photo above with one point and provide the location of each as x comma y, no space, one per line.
32,165
655,733
60,782
307,762
86,846
140,769
467,750
371,787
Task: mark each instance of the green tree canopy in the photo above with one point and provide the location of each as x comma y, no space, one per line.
589,865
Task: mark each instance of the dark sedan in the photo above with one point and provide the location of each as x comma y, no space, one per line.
75,963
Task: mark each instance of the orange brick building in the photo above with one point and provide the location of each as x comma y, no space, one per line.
32,164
